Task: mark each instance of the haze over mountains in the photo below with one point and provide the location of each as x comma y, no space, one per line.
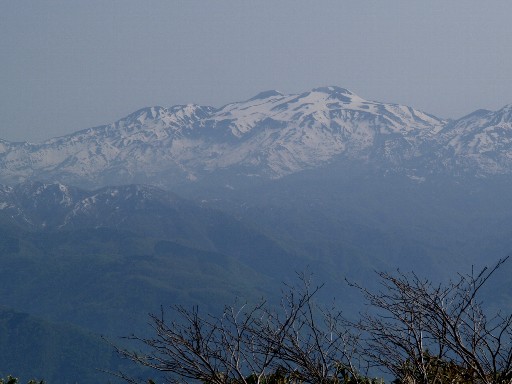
269,136
198,205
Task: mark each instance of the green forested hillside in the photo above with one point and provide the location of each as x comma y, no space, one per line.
348,216
105,272
108,280
31,348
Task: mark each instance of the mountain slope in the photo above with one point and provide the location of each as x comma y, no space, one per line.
479,143
33,348
270,135
103,259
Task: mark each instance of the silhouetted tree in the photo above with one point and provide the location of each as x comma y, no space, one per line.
297,342
420,332
433,333
14,380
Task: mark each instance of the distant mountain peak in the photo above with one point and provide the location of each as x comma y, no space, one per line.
148,112
332,89
266,94
188,108
271,135
506,112
338,94
478,113
190,111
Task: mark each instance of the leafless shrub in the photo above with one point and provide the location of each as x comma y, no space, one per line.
418,331
297,342
427,333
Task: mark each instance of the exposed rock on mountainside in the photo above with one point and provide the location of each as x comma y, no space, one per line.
270,135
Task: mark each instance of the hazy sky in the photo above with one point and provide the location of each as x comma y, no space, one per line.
68,65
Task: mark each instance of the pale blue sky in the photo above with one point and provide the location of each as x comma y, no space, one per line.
68,65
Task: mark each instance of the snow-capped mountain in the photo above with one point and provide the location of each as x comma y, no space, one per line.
37,205
479,143
270,135
158,218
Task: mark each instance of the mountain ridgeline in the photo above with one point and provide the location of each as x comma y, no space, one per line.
203,206
269,136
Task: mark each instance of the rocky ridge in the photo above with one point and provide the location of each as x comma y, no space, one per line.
270,136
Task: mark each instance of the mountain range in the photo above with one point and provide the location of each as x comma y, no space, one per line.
196,205
268,136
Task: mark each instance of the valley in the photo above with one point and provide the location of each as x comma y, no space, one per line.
201,206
